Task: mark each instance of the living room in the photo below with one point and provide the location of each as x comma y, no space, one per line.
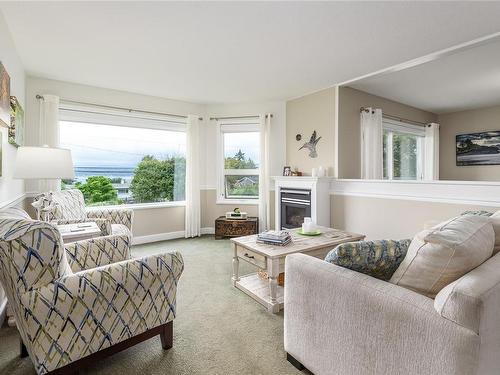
183,183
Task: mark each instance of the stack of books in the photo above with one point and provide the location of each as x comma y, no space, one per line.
274,237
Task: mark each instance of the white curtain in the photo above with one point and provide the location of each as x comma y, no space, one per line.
264,208
193,215
431,168
49,133
371,144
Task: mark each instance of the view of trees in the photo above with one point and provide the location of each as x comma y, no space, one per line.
98,190
404,154
241,185
159,180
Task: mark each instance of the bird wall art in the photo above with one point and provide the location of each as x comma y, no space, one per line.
311,145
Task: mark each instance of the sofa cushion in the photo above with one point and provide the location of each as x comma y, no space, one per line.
441,255
375,258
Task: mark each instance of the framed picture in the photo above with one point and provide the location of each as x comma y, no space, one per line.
4,97
287,171
478,148
16,128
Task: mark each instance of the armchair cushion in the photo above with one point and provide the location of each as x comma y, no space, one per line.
439,256
375,258
115,216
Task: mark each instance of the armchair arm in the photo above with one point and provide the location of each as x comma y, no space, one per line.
332,313
103,224
98,251
115,216
91,310
378,258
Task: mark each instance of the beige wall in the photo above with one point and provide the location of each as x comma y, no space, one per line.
304,115
472,121
381,218
350,101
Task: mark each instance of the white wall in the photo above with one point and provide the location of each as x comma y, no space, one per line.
10,189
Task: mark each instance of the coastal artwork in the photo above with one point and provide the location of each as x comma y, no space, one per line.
16,128
478,148
4,97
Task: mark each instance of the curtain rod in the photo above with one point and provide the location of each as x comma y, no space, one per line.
398,118
237,117
130,110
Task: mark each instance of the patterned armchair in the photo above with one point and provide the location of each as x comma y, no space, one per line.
70,208
67,320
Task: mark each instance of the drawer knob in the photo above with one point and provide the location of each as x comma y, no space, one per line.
249,256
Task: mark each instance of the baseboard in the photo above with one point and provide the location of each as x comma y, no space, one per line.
3,311
166,236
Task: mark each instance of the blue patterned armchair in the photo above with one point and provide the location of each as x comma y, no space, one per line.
67,320
70,208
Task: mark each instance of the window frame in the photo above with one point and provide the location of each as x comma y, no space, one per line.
87,114
405,128
233,126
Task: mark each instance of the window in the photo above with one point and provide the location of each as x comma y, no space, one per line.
403,147
125,164
238,162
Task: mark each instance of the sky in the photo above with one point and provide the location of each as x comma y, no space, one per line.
118,146
248,142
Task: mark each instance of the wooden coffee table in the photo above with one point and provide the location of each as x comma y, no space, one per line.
272,259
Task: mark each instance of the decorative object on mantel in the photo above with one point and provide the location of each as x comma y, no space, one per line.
287,171
16,128
226,228
311,145
478,148
4,96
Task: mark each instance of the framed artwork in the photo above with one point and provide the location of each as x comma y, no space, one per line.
16,128
478,148
287,171
4,97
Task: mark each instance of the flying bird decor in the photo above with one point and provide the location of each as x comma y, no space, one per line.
311,145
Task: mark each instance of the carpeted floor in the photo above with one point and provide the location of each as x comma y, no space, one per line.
218,329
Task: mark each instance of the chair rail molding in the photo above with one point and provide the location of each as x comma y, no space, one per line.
482,193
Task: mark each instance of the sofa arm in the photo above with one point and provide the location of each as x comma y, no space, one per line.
92,310
473,301
115,216
338,321
98,251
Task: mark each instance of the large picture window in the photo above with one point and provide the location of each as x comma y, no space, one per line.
125,164
239,162
403,151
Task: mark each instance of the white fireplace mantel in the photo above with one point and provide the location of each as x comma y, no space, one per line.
320,198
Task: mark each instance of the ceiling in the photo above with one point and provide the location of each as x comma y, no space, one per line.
233,51
464,80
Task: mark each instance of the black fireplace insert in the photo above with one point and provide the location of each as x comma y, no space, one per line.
295,206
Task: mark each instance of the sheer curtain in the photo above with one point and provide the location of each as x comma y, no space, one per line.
371,144
264,208
193,214
49,134
431,168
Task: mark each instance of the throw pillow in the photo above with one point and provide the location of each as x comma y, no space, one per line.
495,221
375,258
439,256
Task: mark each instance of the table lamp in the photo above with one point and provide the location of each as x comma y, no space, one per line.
43,163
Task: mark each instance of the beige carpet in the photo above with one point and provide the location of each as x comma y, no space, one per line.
218,329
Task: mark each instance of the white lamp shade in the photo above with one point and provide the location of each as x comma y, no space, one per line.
43,163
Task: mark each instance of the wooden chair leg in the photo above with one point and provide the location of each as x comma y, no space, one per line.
23,351
167,335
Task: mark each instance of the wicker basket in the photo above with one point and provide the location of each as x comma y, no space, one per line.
264,276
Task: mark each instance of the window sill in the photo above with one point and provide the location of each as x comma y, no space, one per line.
140,206
247,202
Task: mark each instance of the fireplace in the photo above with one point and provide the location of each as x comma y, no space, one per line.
297,197
295,206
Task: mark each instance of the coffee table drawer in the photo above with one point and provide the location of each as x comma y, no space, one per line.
252,257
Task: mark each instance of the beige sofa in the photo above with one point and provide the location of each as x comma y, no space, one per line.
339,321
